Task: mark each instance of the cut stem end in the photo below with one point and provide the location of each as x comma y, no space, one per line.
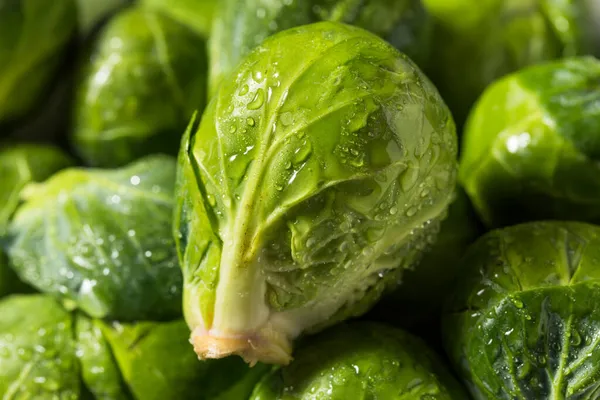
267,346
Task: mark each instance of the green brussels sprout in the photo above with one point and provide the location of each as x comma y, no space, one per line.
198,15
298,204
47,353
33,35
22,165
241,25
100,240
524,320
37,350
477,42
532,145
146,350
418,302
361,361
137,90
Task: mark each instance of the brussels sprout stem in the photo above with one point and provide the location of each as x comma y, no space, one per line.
241,323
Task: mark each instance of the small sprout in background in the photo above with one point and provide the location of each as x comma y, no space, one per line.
361,361
100,240
532,144
33,37
524,320
47,352
477,42
139,84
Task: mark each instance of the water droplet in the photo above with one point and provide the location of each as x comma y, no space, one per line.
287,118
542,359
148,253
302,153
575,338
257,100
51,385
135,180
25,354
518,303
232,129
409,177
244,90
258,75
393,210
250,121
411,211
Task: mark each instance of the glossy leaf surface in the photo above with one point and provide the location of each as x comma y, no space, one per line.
531,147
241,25
524,321
361,361
307,188
100,240
140,83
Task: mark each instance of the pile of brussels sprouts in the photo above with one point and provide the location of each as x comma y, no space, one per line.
299,199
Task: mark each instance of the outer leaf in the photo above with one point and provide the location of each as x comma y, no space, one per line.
531,146
241,25
21,165
156,364
524,321
37,350
143,80
101,240
32,38
362,361
298,204
478,42
99,369
198,15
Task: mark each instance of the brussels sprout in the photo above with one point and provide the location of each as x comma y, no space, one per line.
22,165
241,25
198,15
101,240
524,320
417,303
37,350
47,353
477,41
361,361
33,35
297,204
144,351
532,145
143,81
